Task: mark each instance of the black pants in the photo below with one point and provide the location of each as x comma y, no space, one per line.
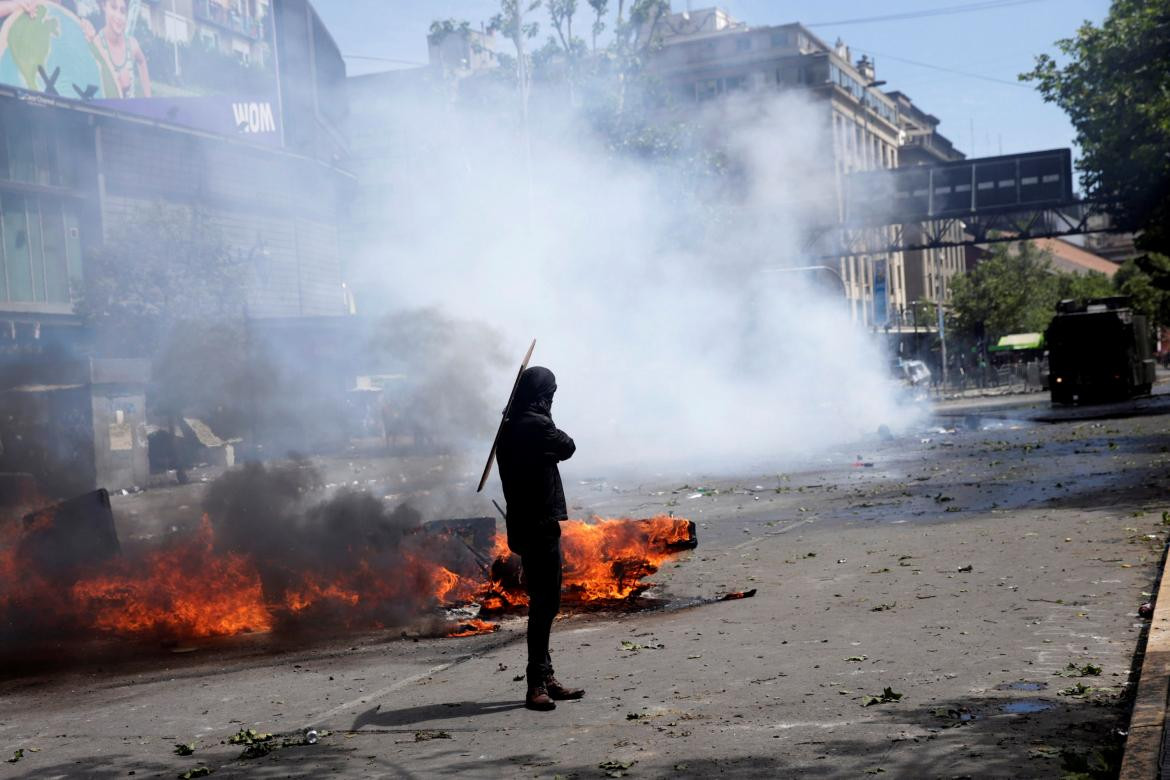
542,579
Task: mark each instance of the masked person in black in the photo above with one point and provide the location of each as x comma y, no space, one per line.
529,450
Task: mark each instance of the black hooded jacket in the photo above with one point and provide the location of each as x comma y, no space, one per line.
529,450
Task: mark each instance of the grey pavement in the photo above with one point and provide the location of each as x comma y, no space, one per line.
963,571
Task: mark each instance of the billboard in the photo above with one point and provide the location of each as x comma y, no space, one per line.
206,64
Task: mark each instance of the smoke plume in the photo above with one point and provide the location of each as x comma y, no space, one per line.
646,281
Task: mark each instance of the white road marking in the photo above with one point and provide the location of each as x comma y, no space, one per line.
366,698
785,529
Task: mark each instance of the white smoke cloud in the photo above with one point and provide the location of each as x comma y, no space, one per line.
645,288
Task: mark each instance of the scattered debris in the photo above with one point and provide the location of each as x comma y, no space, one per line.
249,737
259,749
1072,670
887,696
199,771
16,755
883,607
964,569
426,735
738,594
258,744
184,749
857,658
1078,691
614,768
954,716
1146,610
634,647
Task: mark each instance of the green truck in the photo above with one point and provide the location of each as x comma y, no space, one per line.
1098,351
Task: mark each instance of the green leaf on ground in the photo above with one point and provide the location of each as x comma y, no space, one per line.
1078,691
614,768
16,755
248,737
184,749
259,749
856,658
887,696
1087,670
427,735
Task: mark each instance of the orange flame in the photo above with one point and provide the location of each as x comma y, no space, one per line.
189,589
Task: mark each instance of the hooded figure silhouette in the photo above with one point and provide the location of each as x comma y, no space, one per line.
529,450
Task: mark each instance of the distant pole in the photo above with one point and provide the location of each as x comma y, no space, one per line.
942,336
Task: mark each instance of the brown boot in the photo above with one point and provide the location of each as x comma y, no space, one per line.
538,698
560,692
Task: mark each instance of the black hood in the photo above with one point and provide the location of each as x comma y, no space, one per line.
535,390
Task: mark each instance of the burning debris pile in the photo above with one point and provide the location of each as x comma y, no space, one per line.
266,557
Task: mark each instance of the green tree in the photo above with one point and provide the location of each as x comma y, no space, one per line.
600,9
1146,281
441,28
1114,89
1012,291
561,13
1082,287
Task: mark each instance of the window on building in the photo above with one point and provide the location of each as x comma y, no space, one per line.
781,39
732,83
743,43
37,155
706,89
40,249
175,28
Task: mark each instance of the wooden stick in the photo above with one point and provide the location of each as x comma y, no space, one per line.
487,469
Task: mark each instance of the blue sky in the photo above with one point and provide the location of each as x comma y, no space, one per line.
981,115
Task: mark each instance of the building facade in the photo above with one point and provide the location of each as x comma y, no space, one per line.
74,172
928,271
705,54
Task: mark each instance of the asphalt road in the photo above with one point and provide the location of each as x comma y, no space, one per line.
962,570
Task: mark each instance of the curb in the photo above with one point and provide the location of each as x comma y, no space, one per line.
1143,747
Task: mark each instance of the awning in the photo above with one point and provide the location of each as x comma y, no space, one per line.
1019,341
